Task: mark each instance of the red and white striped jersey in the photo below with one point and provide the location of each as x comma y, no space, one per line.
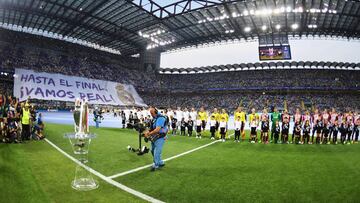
349,119
326,117
264,117
316,118
285,117
297,117
333,117
306,118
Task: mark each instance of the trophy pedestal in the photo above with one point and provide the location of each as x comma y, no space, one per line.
80,144
83,180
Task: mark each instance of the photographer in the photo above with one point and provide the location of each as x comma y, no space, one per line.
157,135
97,117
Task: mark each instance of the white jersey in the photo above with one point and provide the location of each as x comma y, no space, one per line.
193,115
127,114
212,123
179,115
198,122
145,113
186,115
139,114
237,125
253,124
170,114
222,124
356,117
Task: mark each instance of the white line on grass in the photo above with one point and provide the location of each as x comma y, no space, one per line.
106,179
168,159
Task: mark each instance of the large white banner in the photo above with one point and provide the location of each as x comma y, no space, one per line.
46,86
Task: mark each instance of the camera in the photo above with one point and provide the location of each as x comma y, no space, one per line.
140,151
140,127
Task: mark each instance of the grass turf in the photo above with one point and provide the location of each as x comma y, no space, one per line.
223,172
108,151
36,172
232,172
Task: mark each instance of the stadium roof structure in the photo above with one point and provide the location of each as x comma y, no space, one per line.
130,26
265,66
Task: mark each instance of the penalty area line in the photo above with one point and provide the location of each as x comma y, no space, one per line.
168,159
106,179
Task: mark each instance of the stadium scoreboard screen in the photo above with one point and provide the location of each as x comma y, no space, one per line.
275,53
274,47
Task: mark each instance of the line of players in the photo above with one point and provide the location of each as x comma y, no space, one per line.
198,120
319,127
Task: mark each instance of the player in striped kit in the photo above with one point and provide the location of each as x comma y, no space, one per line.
306,117
326,127
343,129
306,132
334,130
285,115
333,123
264,126
357,128
350,123
298,120
325,132
316,118
285,127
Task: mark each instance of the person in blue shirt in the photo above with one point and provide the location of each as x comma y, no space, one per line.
158,130
40,120
97,117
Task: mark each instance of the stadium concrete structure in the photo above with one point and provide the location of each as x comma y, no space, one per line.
256,54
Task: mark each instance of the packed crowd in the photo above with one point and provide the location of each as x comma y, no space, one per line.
19,121
21,50
258,100
255,88
263,79
316,127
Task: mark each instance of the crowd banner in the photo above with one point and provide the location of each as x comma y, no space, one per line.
47,86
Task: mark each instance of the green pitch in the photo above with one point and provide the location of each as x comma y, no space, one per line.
222,172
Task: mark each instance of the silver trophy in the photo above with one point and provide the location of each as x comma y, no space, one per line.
80,142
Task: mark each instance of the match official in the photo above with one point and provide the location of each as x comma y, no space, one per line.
157,135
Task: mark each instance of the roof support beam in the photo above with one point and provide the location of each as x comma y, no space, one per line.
40,12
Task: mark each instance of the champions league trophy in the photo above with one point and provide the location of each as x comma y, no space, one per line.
80,142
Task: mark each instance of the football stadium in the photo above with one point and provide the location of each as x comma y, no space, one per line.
179,101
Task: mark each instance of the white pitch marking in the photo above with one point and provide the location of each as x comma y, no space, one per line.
106,179
168,159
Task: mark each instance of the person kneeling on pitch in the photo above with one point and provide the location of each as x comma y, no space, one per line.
157,135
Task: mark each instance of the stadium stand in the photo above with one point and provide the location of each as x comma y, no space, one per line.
223,86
